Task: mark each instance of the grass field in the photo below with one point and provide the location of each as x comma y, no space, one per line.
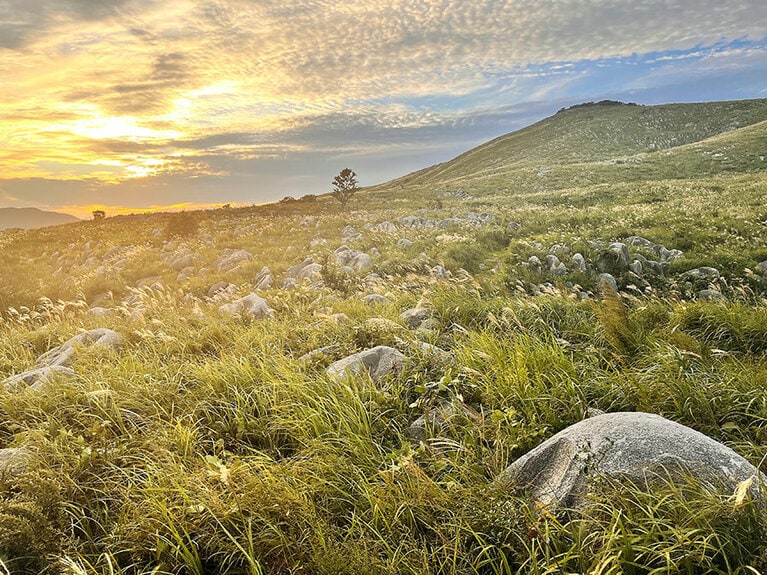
207,443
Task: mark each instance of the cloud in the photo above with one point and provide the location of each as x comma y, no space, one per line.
131,93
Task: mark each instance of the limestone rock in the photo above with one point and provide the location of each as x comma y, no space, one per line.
63,354
561,471
252,306
231,258
264,279
38,378
414,317
13,460
306,270
378,362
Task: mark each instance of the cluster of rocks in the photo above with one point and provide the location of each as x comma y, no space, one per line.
637,262
56,364
467,219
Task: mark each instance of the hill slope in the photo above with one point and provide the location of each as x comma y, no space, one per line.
598,133
31,218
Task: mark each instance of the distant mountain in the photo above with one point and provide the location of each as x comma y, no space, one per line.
30,218
608,141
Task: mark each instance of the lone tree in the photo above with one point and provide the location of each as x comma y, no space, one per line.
99,214
344,186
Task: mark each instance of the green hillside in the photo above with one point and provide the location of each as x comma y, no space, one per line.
181,394
604,142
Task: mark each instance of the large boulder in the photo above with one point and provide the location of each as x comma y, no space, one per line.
38,378
252,306
378,362
561,472
63,354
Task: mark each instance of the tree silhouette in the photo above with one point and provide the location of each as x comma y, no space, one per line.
344,186
99,214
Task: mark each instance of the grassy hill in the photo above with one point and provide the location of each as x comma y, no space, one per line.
610,142
211,440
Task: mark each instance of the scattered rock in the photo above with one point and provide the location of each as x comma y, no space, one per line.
606,279
414,317
355,259
404,243
375,299
182,262
377,362
63,354
701,274
709,295
349,234
252,306
385,227
561,471
307,270
13,460
321,353
578,262
231,258
440,273
38,378
264,280
437,419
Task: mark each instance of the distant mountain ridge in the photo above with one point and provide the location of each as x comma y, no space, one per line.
31,218
610,141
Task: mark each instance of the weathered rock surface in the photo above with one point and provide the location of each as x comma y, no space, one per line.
13,460
252,306
231,258
355,259
414,317
38,378
306,270
378,362
561,471
264,279
63,354
437,419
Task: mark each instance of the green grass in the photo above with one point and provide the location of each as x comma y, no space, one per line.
205,444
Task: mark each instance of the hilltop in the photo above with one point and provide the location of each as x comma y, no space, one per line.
30,218
300,388
607,143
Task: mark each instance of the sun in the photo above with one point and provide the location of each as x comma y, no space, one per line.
118,128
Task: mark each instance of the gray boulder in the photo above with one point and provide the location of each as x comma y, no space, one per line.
38,378
63,354
614,260
701,274
13,460
252,306
437,419
607,279
182,262
414,317
264,279
375,299
377,362
761,267
561,472
231,258
306,270
404,243
578,262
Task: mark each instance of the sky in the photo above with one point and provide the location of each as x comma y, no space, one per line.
125,105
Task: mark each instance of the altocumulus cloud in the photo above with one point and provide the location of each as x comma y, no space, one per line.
265,98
